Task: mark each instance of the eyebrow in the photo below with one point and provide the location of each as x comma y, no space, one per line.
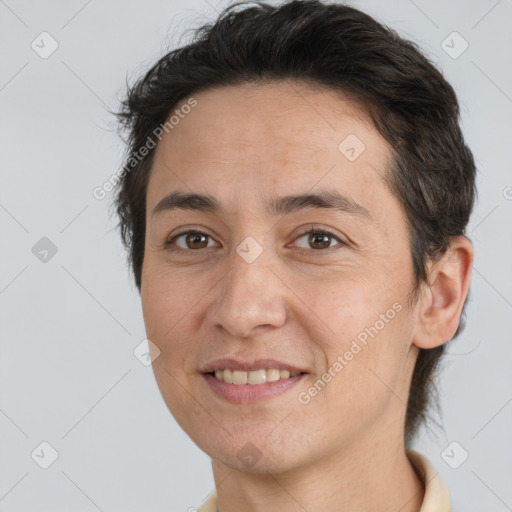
276,206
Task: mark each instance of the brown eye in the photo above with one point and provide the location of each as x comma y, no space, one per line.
318,239
196,240
190,240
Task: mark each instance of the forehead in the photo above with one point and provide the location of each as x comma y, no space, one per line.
250,140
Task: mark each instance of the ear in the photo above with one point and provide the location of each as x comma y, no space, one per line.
442,298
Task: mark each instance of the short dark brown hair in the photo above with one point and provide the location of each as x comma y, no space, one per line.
336,46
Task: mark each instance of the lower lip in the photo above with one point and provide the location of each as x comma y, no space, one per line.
247,393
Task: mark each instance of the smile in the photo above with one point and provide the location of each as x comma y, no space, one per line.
241,377
244,392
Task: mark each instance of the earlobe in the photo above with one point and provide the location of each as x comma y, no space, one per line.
442,298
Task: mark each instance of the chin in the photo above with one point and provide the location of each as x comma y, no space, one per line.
250,454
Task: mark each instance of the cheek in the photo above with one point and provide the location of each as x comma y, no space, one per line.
364,346
342,304
375,353
167,298
166,304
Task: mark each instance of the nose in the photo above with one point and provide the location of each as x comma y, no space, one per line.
249,297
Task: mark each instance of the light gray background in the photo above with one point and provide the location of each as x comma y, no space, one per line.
68,326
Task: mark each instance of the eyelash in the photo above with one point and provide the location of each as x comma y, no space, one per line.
315,231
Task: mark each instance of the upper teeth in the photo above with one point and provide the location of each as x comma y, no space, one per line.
254,377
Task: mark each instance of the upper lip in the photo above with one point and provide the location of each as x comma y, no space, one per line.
257,364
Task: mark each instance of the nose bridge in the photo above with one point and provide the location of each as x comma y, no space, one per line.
249,295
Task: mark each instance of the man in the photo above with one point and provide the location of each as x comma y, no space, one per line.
294,204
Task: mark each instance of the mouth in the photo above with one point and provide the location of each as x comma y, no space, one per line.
253,377
244,390
242,382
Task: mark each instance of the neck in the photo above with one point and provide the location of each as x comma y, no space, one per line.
368,477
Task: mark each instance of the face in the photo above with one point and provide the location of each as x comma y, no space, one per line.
247,279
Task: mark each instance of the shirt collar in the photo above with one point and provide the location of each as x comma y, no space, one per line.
437,497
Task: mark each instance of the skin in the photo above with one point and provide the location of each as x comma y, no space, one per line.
298,303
